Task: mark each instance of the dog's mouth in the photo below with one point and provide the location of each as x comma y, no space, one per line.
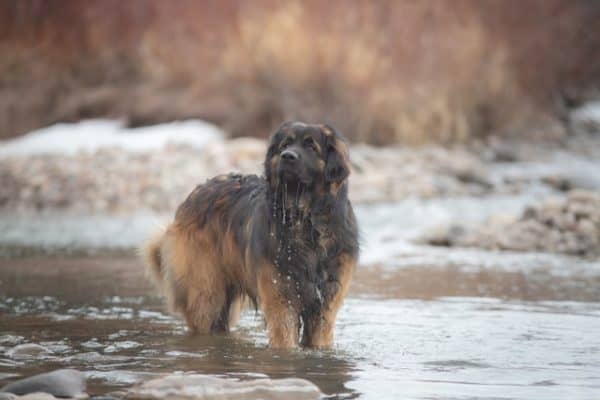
288,172
293,174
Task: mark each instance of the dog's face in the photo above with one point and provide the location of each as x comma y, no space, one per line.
306,154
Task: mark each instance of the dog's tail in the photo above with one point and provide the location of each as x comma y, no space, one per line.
150,253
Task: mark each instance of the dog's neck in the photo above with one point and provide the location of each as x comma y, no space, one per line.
303,198
296,208
290,203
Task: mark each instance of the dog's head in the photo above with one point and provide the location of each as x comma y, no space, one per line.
308,155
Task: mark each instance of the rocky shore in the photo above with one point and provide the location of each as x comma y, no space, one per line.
121,180
569,225
114,180
117,181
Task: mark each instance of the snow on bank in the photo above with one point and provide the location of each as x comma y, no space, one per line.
587,117
91,135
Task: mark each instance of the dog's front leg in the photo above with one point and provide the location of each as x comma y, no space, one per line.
279,313
321,328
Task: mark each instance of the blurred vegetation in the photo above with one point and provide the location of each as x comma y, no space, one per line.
382,71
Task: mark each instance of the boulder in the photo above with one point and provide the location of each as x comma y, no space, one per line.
202,387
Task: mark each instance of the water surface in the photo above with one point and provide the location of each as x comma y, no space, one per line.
98,314
420,322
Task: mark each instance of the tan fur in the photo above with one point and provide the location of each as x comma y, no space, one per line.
197,286
281,318
150,253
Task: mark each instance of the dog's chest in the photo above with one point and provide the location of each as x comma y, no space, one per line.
304,261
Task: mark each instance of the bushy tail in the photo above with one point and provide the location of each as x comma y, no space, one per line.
150,253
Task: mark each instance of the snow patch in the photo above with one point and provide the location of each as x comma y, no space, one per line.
587,117
91,135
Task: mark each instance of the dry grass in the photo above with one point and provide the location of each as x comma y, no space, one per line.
384,72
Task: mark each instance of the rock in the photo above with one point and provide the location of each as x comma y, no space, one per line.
59,383
570,225
27,350
202,387
107,397
558,182
36,396
31,396
11,339
574,180
444,235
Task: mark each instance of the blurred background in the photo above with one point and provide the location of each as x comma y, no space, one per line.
474,132
383,72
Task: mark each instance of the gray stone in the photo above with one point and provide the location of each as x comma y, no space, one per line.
202,387
36,396
59,383
106,397
27,350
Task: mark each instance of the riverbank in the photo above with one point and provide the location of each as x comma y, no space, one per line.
102,167
100,170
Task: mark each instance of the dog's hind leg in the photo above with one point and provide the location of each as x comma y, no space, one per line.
204,311
229,313
196,287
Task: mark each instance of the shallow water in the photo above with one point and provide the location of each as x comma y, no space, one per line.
99,314
420,322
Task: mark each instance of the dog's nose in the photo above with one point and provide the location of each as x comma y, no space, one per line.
289,155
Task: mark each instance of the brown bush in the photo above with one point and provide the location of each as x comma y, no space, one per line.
386,71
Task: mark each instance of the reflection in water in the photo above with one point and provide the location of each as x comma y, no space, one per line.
397,336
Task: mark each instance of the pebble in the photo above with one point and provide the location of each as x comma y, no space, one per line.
27,350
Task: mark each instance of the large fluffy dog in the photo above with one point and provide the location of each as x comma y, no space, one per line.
287,241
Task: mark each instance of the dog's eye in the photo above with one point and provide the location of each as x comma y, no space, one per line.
310,144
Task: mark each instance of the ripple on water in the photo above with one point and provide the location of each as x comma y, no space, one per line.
185,354
448,365
122,345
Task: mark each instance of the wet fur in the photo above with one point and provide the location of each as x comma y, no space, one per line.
288,244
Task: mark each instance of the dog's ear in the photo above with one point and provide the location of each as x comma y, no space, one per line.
337,167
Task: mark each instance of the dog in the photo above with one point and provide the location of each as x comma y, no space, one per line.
287,241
